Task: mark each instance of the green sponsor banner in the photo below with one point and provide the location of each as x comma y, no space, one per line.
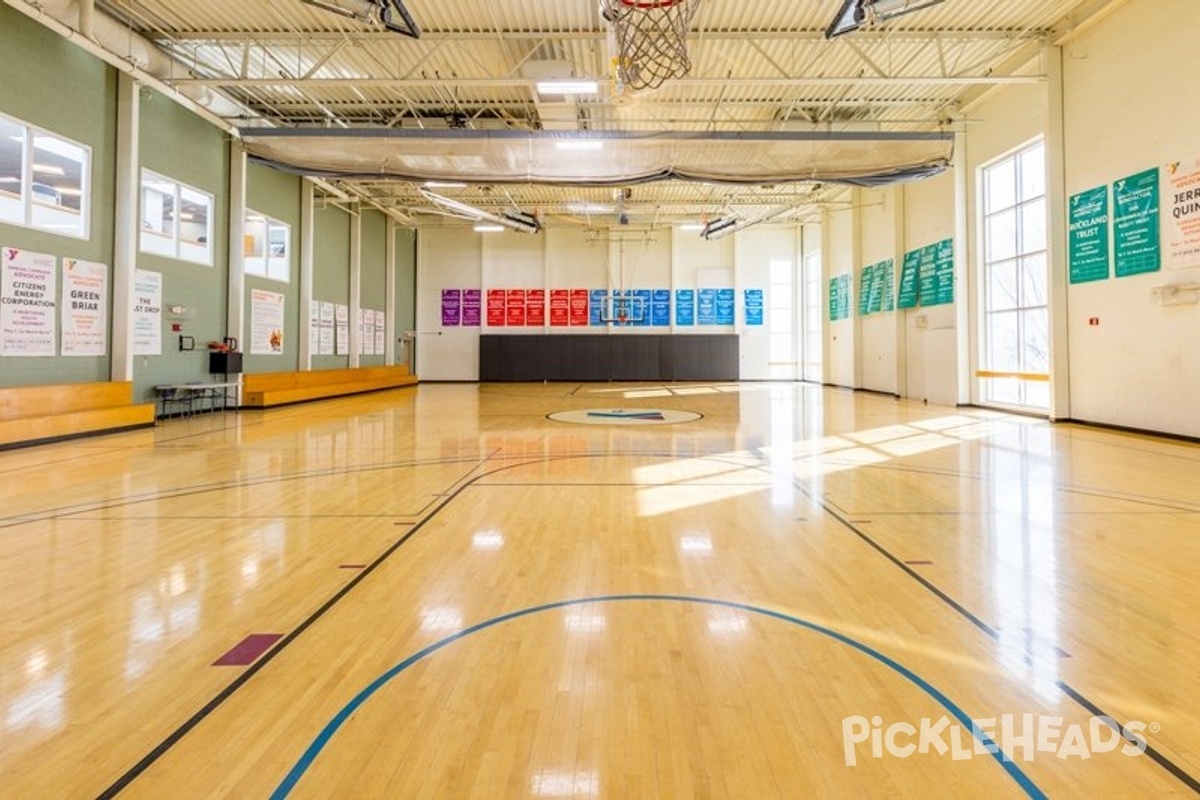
839,297
885,279
1136,245
875,298
907,296
943,261
1087,235
927,280
865,286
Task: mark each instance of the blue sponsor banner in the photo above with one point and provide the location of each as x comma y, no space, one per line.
596,306
685,306
725,306
640,310
706,307
754,306
660,307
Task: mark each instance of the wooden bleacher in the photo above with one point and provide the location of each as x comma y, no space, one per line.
266,389
37,414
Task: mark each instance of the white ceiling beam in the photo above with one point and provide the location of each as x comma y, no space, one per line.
507,83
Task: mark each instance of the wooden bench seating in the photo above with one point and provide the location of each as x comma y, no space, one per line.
36,414
265,389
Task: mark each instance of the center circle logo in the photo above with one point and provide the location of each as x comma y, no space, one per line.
624,416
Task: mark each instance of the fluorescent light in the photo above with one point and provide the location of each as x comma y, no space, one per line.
489,228
588,208
579,144
568,87
48,169
691,226
9,179
444,185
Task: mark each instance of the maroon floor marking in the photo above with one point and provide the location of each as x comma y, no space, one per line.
353,566
919,563
248,650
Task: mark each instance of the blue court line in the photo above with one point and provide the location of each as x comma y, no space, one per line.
318,744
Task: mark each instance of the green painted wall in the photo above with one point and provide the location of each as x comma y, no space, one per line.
181,146
277,195
406,287
331,268
82,107
374,266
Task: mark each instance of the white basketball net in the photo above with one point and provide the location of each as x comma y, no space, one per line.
651,40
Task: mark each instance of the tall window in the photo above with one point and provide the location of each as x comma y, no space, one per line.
267,247
1015,338
176,220
781,320
43,180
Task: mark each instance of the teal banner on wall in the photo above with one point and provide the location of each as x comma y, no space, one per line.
1136,245
909,272
1087,235
865,282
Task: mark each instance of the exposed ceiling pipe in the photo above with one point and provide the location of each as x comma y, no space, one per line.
117,45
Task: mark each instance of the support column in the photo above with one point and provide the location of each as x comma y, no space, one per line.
900,316
389,303
1056,201
306,275
856,203
355,284
235,318
126,227
964,299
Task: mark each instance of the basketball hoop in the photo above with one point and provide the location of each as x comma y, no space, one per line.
651,40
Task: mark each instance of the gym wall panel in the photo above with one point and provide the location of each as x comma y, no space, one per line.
277,194
331,268
49,83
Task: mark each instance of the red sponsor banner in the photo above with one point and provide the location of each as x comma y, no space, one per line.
579,306
495,307
560,307
515,308
535,307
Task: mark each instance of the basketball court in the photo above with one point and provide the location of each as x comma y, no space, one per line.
444,592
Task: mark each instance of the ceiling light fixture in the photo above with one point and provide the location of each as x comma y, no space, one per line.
571,86
856,14
444,185
727,225
578,144
515,220
489,228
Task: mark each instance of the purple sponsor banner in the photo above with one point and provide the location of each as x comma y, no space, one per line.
472,305
451,306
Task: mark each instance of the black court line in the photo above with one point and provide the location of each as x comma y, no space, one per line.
199,716
1171,767
463,484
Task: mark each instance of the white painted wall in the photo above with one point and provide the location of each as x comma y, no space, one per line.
447,258
930,333
568,258
877,331
1129,106
839,257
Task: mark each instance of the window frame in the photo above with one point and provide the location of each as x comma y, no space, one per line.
52,192
282,261
178,248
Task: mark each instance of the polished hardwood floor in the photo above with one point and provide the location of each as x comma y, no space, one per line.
438,592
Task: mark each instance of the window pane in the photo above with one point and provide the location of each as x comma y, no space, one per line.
1033,280
781,270
1003,338
1002,286
1033,172
158,215
1037,394
57,190
194,226
1003,390
1033,226
278,249
783,347
1001,186
1036,355
1001,236
254,244
12,172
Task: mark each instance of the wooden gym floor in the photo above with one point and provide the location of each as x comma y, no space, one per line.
439,592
